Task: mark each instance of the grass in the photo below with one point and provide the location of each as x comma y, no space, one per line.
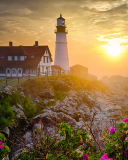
59,95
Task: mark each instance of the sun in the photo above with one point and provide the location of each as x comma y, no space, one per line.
113,48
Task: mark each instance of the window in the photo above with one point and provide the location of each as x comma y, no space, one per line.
32,56
21,58
59,22
8,71
2,57
2,70
19,71
46,59
13,71
9,58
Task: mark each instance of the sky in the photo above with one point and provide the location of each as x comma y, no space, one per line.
93,27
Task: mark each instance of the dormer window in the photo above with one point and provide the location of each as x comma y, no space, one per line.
16,58
32,56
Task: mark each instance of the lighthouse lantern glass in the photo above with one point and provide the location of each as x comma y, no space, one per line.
60,22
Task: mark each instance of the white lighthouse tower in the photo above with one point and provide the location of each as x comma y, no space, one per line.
61,51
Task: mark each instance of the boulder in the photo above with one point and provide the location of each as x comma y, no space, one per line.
28,137
6,132
19,111
7,90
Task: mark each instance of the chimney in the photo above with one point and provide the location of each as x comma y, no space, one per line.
36,43
10,44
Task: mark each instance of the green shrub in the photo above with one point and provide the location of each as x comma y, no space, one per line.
29,108
6,114
5,149
59,95
52,148
50,103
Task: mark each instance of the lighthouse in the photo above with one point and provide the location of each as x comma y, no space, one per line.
61,50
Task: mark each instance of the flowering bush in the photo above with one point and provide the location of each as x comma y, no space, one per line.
105,157
4,149
114,144
62,148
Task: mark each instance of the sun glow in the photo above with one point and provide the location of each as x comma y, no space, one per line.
113,48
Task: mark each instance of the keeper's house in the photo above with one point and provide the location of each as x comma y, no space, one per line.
17,61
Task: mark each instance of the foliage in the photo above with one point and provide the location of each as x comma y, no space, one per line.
29,108
6,113
59,95
5,149
113,143
61,83
116,144
62,148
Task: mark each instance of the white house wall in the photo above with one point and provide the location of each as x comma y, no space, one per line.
45,64
11,74
2,75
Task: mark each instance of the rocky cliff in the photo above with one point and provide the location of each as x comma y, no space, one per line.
61,99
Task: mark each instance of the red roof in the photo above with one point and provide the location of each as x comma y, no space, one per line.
28,51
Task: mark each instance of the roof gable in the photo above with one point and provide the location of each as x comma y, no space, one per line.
27,51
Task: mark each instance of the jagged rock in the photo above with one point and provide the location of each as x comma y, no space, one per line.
16,153
6,131
85,108
18,110
46,93
38,126
115,112
8,87
19,87
19,106
45,101
52,100
14,89
6,158
22,94
28,137
7,90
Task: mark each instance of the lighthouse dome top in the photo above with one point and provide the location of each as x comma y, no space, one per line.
61,17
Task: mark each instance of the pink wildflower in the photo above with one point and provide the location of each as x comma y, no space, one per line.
58,141
125,120
123,135
1,145
112,129
126,138
85,156
105,157
1,142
